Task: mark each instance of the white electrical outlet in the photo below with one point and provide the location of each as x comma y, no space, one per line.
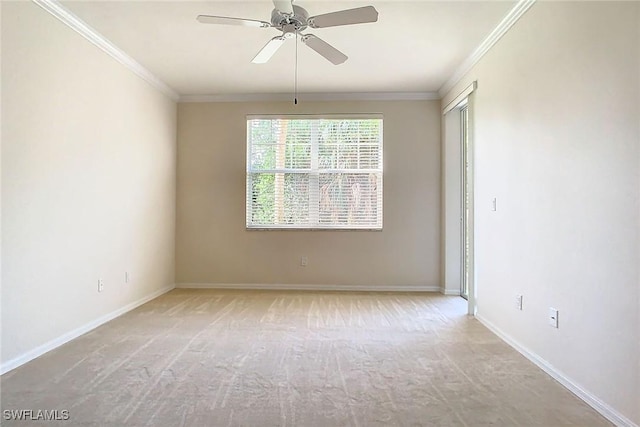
304,261
519,302
100,285
553,317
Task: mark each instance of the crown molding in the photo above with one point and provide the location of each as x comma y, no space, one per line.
505,25
336,96
75,23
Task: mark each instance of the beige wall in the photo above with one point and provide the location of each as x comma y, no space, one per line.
557,141
214,247
88,182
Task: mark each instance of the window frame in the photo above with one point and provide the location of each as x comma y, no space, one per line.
314,174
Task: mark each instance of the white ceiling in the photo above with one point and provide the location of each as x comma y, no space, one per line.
414,47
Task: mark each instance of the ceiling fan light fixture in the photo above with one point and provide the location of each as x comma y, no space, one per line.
289,31
292,20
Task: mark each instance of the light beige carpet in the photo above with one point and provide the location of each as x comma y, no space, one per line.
248,358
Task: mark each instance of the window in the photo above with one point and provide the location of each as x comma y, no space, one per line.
310,172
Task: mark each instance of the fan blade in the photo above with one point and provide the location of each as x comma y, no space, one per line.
225,20
325,49
284,6
268,50
358,15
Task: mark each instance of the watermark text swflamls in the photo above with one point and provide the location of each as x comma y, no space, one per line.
35,414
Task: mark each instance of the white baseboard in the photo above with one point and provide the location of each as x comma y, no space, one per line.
309,287
605,410
63,339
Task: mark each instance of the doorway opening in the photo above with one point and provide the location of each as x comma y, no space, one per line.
458,185
465,244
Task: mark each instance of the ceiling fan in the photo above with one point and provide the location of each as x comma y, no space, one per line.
292,20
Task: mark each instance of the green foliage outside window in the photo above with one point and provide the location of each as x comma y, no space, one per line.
315,172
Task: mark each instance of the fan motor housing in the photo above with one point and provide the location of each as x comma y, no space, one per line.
297,21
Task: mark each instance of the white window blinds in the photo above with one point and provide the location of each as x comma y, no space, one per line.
314,172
